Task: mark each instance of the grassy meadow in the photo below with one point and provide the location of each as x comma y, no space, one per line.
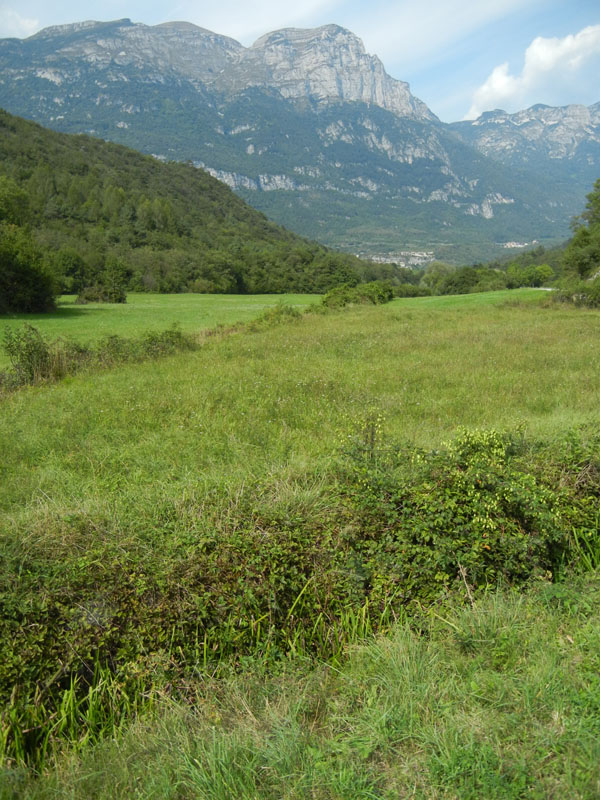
147,312
274,403
158,520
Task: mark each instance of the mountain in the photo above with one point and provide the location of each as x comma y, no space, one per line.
95,207
564,142
305,125
319,64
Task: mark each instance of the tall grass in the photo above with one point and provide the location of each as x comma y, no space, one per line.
116,484
86,711
499,700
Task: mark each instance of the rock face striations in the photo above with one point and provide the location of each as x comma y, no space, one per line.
319,64
325,64
310,129
541,137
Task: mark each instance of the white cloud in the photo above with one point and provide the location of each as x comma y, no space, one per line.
13,24
406,34
399,31
550,65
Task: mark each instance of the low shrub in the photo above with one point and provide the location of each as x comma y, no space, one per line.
402,528
580,293
29,354
35,359
276,315
100,293
375,293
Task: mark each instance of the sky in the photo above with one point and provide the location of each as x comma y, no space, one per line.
461,57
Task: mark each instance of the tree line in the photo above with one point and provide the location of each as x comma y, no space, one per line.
78,215
82,216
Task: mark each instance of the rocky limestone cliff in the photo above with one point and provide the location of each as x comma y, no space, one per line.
322,64
173,48
556,133
305,125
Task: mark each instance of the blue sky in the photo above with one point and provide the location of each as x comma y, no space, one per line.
461,57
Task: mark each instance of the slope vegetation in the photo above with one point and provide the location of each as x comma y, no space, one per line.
96,207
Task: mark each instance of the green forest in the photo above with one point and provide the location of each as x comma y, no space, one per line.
82,214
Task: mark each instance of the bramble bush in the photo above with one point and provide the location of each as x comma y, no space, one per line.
403,527
474,507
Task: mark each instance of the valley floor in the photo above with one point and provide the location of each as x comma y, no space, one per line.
186,540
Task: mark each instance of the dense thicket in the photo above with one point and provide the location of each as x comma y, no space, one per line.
582,255
169,226
535,268
25,286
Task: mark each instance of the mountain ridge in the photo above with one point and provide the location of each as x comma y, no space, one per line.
288,49
307,126
539,136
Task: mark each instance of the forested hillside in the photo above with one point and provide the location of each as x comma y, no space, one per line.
98,211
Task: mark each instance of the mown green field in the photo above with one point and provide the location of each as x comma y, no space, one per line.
148,312
164,514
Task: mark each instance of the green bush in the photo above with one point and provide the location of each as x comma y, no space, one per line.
276,315
580,293
115,349
25,286
467,280
101,294
375,293
29,354
409,290
475,505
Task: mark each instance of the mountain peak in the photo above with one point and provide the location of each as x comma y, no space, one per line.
176,25
304,36
328,63
56,31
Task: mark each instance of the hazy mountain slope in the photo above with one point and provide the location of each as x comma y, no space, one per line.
171,226
564,142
